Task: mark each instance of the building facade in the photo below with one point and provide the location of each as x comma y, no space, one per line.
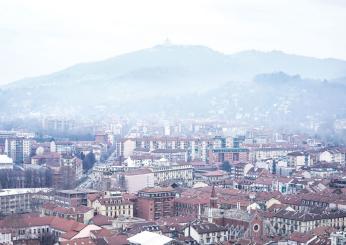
154,203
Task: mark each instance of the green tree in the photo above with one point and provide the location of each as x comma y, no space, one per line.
89,161
226,166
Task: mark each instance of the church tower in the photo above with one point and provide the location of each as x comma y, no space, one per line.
212,205
213,199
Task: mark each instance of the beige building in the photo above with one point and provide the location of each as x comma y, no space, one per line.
258,154
285,222
175,172
112,206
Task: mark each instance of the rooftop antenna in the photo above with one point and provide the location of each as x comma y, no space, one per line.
167,42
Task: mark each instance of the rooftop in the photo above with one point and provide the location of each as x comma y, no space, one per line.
149,238
19,191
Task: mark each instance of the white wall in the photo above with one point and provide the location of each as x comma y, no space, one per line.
134,183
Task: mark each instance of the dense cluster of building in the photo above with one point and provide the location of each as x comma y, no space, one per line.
173,186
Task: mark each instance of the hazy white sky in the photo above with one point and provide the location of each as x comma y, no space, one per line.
42,36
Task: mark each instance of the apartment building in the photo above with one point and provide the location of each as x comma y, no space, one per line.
195,148
207,233
18,149
69,198
80,213
285,222
154,203
173,172
21,200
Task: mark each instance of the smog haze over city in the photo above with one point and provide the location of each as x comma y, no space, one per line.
173,122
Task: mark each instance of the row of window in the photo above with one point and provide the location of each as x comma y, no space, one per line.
118,207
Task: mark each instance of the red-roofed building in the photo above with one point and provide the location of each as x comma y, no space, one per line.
31,227
80,214
215,177
79,241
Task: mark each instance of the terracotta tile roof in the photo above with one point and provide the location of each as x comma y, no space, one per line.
66,225
203,228
79,241
323,230
69,235
102,233
264,181
22,221
300,237
101,220
57,223
192,201
93,197
119,239
63,210
175,220
265,196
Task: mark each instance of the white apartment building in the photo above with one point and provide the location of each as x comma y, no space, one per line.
336,155
207,233
20,200
18,149
197,148
174,171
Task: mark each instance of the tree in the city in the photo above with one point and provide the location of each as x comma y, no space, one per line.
89,161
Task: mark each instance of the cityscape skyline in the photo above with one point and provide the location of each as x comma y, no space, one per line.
202,122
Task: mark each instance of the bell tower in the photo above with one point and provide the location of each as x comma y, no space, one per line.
212,205
213,199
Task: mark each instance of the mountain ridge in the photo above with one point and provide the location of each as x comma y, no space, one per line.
187,53
184,81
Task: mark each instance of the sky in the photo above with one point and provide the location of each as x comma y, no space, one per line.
39,36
